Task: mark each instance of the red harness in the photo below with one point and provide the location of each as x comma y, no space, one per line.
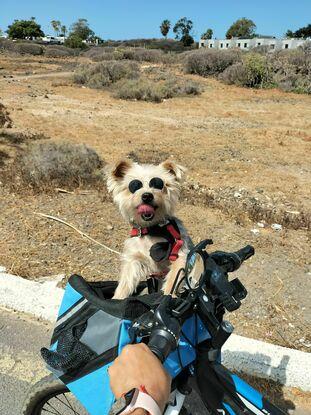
169,231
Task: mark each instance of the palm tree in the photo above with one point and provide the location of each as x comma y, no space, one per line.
56,24
165,27
63,30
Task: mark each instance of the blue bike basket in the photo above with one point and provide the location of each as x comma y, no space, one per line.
90,332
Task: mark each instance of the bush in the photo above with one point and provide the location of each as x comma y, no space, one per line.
98,54
49,164
74,42
29,48
206,62
106,73
143,55
292,70
5,120
22,47
58,51
148,90
167,45
253,72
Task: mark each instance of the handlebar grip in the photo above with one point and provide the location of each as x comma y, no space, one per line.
245,252
161,343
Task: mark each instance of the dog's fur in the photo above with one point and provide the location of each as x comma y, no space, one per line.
136,262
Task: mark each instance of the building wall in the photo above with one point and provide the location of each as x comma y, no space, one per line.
246,44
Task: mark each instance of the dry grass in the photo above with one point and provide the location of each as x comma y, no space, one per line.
5,119
228,137
13,137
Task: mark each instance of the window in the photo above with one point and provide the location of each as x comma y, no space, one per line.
202,44
227,45
258,44
239,45
286,46
272,46
211,45
221,45
245,45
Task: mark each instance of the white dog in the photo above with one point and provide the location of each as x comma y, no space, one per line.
158,245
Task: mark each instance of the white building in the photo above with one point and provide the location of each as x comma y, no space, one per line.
246,44
54,39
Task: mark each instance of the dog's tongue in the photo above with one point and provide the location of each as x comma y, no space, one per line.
145,209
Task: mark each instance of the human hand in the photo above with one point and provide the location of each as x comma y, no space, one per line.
138,366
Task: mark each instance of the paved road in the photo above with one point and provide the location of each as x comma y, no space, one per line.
21,337
20,340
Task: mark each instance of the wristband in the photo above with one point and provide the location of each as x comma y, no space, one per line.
141,400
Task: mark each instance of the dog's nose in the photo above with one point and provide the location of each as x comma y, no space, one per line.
147,197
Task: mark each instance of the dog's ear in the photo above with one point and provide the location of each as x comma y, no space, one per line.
174,169
116,173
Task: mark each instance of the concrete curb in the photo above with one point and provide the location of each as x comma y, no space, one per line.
287,366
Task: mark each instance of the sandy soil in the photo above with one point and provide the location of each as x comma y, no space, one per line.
232,140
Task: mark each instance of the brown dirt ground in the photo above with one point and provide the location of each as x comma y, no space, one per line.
230,139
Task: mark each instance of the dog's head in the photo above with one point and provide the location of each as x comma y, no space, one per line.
146,194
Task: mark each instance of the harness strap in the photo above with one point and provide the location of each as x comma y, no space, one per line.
170,232
139,231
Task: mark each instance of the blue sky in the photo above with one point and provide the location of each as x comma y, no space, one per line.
123,19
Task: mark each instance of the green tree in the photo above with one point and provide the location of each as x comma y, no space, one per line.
22,29
1,32
56,24
208,34
81,29
289,33
182,30
165,27
75,42
303,32
242,28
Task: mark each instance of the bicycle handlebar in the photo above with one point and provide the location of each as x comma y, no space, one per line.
230,262
168,321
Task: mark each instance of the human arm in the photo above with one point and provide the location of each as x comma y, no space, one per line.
135,367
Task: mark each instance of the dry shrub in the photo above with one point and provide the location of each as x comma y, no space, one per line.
292,70
148,90
21,47
13,137
206,62
58,51
43,166
158,73
167,45
289,70
5,120
143,55
96,52
253,72
106,73
28,48
99,54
